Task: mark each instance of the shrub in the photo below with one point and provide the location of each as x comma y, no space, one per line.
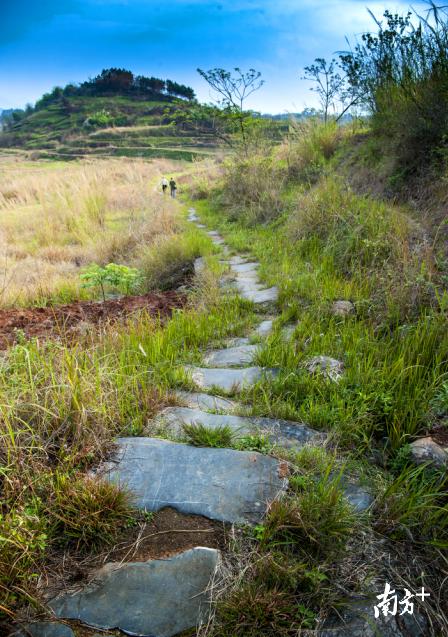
402,74
120,277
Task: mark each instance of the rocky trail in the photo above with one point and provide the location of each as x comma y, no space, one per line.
164,597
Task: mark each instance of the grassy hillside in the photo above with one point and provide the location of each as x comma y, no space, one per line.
107,126
319,242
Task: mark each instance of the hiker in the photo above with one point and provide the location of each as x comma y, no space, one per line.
164,184
173,188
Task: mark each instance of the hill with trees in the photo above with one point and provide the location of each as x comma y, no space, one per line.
114,113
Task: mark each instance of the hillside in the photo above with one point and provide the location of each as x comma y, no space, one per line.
117,126
114,114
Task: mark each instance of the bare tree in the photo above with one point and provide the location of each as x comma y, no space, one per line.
328,83
232,90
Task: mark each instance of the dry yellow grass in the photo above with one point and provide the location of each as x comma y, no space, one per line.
57,217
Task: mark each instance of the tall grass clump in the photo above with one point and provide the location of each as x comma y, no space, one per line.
170,260
366,239
309,146
253,189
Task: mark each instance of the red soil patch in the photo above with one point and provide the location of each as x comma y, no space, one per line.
74,319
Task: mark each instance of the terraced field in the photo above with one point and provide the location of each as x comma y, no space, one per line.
64,130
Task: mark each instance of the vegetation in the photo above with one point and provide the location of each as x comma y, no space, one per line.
321,237
58,219
320,241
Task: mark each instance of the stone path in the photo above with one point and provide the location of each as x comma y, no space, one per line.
161,598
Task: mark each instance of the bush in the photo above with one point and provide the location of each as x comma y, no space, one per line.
120,277
402,74
253,189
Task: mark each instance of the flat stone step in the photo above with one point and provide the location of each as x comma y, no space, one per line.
227,380
45,629
220,484
264,329
207,402
357,496
257,296
238,341
160,598
231,356
237,260
285,433
199,265
250,266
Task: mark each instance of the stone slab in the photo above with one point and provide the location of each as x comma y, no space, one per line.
227,380
268,295
237,259
264,328
329,367
427,450
343,308
199,265
250,266
207,402
357,496
282,432
231,356
220,484
158,598
45,629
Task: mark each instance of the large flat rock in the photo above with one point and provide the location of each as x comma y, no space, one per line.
282,432
259,296
159,598
45,629
264,328
207,402
245,267
220,484
231,356
228,380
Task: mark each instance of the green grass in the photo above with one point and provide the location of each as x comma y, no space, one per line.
61,408
323,243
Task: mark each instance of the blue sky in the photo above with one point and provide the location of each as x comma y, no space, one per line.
44,43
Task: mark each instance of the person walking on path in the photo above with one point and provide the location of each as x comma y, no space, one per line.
164,183
173,188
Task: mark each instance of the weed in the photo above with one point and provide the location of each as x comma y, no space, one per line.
87,512
315,522
201,436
